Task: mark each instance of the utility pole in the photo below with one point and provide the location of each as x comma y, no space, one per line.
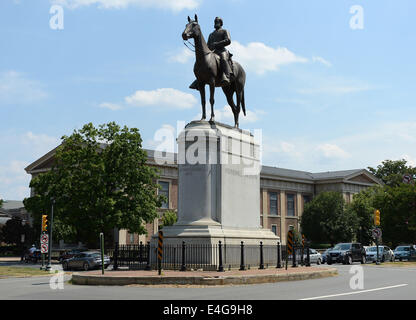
49,266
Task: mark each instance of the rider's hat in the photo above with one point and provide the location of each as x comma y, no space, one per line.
218,19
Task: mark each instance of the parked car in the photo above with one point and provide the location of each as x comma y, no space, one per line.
86,261
69,254
384,254
314,256
346,253
324,255
404,252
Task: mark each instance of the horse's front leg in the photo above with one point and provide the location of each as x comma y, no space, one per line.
211,100
203,102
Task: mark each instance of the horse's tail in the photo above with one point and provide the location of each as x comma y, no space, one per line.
243,102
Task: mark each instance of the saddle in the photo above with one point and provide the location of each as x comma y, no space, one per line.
194,84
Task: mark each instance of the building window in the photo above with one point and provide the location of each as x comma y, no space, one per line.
307,199
290,205
274,229
131,238
164,191
273,203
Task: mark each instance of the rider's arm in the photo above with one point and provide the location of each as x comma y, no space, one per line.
225,41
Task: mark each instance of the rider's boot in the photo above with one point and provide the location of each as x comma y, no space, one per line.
194,85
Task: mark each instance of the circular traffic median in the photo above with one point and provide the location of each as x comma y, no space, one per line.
205,278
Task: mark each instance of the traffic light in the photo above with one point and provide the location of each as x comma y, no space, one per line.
44,223
377,217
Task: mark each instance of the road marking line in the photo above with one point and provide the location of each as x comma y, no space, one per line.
355,292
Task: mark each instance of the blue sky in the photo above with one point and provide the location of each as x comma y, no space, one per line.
326,96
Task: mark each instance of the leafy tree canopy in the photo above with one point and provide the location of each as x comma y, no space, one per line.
169,218
391,172
326,220
100,181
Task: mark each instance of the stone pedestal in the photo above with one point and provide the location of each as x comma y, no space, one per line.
219,187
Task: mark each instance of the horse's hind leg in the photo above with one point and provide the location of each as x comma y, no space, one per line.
229,91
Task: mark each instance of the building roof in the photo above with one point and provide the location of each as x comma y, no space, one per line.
266,171
12,205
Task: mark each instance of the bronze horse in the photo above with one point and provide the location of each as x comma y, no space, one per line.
207,71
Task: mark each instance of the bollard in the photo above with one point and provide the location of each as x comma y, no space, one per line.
183,267
220,267
148,257
242,266
102,252
279,250
160,252
261,256
301,257
294,265
115,265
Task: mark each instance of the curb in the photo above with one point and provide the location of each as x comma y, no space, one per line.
98,280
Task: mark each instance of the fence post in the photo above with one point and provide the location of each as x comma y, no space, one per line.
301,257
242,266
279,250
261,256
308,257
115,266
148,257
220,267
183,267
141,252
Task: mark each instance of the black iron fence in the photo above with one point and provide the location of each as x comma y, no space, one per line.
211,257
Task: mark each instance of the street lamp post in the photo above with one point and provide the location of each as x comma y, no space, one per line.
49,266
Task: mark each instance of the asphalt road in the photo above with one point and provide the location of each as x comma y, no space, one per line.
378,283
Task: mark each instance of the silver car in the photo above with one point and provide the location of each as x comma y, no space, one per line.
314,256
384,254
86,261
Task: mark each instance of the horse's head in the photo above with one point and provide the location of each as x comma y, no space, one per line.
192,29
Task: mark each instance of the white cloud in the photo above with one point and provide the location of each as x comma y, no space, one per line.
15,88
322,60
173,5
332,151
259,58
14,181
38,144
410,160
111,106
184,56
165,97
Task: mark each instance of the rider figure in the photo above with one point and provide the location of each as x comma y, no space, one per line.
217,41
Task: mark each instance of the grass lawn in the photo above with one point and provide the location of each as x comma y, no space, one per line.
6,272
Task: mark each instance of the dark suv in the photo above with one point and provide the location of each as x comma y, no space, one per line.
346,253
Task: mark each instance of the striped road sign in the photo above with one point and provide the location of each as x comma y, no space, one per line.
303,241
160,246
290,242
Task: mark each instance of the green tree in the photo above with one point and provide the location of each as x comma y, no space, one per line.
397,207
169,218
100,181
326,220
12,231
391,172
363,206
1,203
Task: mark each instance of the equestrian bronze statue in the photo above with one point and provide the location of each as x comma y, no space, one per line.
214,67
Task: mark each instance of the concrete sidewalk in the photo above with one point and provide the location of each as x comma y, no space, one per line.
253,276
